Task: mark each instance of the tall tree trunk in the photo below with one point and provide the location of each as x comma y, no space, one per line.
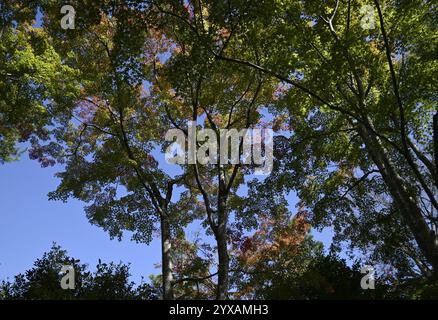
404,201
221,239
435,145
166,247
222,284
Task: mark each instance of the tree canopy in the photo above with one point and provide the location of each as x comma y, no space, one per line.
108,281
348,88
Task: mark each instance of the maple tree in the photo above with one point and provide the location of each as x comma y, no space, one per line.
107,136
31,71
360,105
282,261
215,98
353,107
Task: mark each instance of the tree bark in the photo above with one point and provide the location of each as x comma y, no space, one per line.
222,284
166,247
221,240
435,145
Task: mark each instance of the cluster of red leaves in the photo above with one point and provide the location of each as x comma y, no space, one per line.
274,235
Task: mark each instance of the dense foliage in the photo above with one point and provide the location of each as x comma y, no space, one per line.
352,104
42,282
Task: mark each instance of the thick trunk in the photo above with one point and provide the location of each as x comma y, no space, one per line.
435,145
222,284
221,239
166,259
404,201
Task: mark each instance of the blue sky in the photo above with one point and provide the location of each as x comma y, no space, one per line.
29,223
